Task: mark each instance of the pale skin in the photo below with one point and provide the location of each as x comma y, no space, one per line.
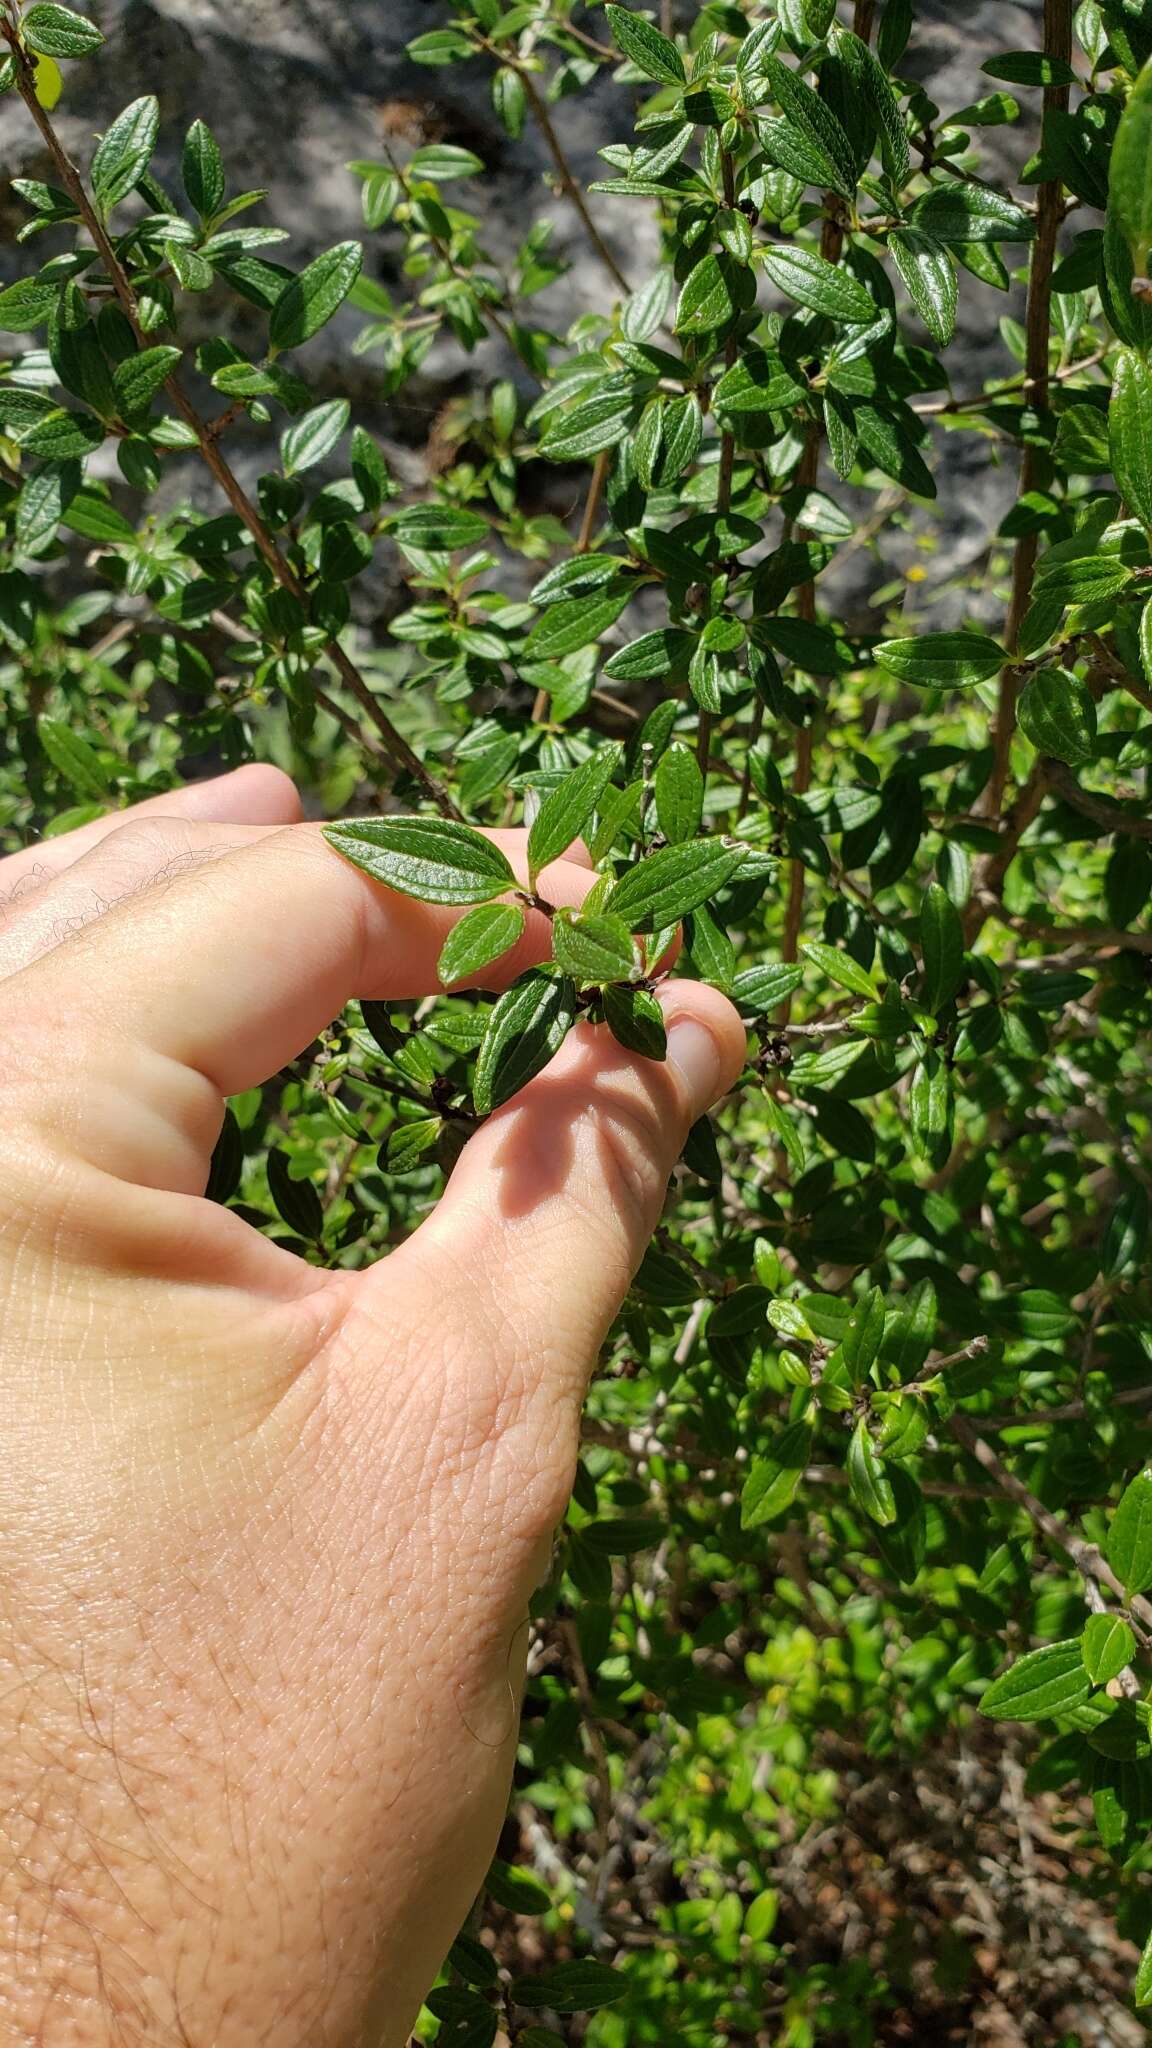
269,1533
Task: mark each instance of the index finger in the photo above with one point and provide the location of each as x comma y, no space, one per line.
228,972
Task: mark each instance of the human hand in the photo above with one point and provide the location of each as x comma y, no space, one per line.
270,1532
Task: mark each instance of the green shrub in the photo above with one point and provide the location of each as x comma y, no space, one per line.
867,1452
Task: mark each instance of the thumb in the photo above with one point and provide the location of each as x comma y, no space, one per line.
552,1203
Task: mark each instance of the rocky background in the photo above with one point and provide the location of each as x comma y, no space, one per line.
294,89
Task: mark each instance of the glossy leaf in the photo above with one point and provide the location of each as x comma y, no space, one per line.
481,936
870,1484
1130,176
679,788
636,1021
943,661
942,945
774,1480
1106,1646
59,32
1130,432
527,1026
433,859
202,170
124,152
929,278
566,809
1057,713
308,302
662,889
644,46
593,949
310,439
1039,1685
821,286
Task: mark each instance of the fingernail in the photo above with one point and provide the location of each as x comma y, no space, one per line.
694,1051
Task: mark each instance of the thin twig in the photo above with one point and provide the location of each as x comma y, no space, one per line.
564,172
1101,809
1089,1561
1010,387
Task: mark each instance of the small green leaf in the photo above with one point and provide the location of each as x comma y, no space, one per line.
942,945
966,214
409,1143
308,302
592,949
526,1027
1029,67
433,859
870,1485
931,1108
518,1891
1106,1646
929,278
579,1986
821,286
58,32
481,936
707,300
1057,713
660,890
72,757
124,152
662,653
296,1200
566,809
811,117
773,1480
636,1021
679,788
309,440
444,161
842,968
588,429
1126,1236
27,304
1129,1545
1040,1685
645,47
137,380
942,661
439,529
202,170
760,989
1130,432
567,627
862,1333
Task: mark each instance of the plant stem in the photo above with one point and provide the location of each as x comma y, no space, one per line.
395,746
1088,1560
936,407
564,172
1038,322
